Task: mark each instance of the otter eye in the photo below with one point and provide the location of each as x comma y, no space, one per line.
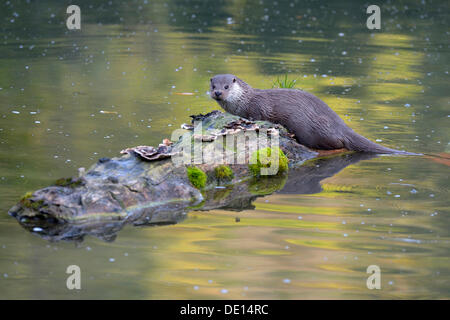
226,87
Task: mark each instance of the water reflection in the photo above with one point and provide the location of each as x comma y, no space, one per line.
130,58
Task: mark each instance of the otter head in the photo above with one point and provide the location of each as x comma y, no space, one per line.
225,88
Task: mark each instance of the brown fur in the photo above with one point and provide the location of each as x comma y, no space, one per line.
314,124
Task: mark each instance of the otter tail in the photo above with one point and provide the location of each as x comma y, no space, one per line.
356,142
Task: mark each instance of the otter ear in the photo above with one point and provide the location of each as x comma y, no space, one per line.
210,80
234,80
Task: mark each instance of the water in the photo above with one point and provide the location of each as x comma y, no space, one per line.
69,98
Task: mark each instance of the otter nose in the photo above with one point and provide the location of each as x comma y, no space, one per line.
218,93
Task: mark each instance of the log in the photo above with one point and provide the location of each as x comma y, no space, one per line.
149,186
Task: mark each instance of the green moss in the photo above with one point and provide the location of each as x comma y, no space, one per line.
27,196
221,194
197,206
27,202
223,172
197,177
262,159
68,182
267,184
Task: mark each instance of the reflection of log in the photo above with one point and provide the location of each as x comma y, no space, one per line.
128,190
306,179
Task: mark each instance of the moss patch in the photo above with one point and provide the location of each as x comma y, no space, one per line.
197,177
221,194
68,182
27,196
267,184
262,159
223,172
197,206
27,202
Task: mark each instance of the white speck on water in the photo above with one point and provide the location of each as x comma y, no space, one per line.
407,105
345,235
397,196
224,291
344,53
37,229
431,195
15,112
112,259
299,218
413,191
343,222
341,34
312,60
196,287
88,248
378,140
287,280
37,122
210,281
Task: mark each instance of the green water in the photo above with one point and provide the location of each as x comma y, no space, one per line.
68,98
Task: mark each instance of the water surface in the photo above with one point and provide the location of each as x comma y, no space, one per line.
68,98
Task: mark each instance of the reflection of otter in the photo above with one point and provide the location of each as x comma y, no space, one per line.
303,180
315,125
306,179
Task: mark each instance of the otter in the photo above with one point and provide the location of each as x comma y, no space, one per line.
313,122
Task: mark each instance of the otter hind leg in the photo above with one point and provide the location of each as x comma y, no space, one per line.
329,142
320,142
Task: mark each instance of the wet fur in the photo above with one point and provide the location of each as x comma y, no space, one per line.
314,124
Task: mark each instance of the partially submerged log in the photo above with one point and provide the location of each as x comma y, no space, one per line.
146,186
